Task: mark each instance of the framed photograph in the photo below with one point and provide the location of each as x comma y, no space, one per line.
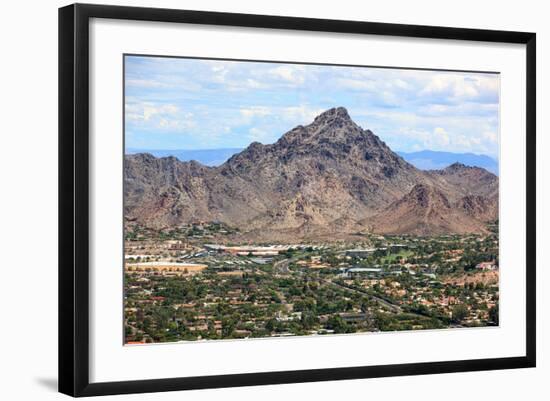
250,199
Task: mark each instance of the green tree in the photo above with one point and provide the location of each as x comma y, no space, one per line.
337,324
460,312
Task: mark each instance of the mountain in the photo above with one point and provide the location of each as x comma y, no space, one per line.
467,180
432,160
208,157
426,210
327,179
423,160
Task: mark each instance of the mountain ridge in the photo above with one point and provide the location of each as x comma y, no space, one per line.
424,160
436,160
330,177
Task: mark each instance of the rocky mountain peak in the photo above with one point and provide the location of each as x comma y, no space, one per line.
142,157
332,142
456,167
459,168
336,114
333,125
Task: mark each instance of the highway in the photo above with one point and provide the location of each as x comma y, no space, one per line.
383,302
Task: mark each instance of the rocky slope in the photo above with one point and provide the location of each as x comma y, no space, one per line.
468,180
329,178
426,210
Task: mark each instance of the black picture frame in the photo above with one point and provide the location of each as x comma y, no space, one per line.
74,198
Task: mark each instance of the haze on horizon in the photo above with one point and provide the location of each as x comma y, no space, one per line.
180,103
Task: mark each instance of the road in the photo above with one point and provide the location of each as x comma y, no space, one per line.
281,266
383,302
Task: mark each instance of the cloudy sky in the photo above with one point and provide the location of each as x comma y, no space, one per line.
205,104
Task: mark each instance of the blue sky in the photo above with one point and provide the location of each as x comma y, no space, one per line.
178,103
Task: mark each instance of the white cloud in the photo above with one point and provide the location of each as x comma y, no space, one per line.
145,111
161,116
233,101
289,73
219,73
441,136
401,84
356,84
258,135
185,122
456,85
390,87
490,136
254,84
442,139
461,85
255,111
300,114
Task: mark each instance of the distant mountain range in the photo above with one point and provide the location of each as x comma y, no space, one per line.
326,180
424,160
435,160
208,157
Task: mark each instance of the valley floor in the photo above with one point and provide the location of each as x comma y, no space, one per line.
182,285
